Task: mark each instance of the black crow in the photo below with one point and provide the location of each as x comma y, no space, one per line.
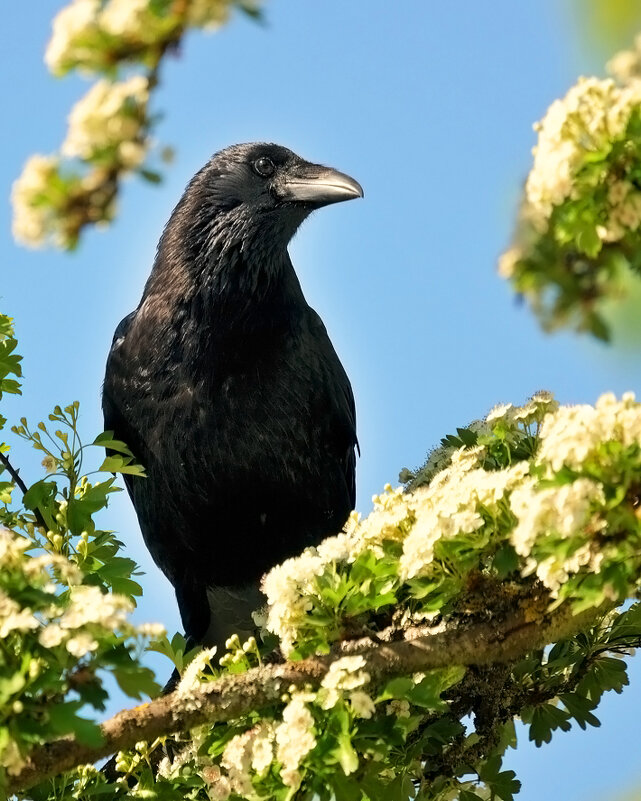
226,387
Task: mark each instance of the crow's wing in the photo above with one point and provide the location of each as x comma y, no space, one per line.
343,419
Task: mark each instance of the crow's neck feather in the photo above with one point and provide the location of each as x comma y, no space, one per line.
225,275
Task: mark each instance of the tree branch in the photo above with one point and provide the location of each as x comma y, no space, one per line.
230,697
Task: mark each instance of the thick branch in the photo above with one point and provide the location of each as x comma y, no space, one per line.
233,696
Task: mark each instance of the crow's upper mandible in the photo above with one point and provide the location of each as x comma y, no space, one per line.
226,387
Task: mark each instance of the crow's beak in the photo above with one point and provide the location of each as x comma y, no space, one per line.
318,186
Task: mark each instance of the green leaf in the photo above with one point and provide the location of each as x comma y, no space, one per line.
597,326
106,440
544,719
150,175
346,789
502,784
345,754
397,688
120,464
581,709
40,495
588,240
506,561
80,511
136,681
64,719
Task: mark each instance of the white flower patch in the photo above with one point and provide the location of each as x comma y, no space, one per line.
193,673
295,737
52,635
30,215
592,115
127,18
287,587
71,26
565,510
573,433
236,760
13,617
12,548
90,605
81,644
110,115
450,505
344,675
362,704
625,66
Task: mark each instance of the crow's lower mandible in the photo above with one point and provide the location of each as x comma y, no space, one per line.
226,387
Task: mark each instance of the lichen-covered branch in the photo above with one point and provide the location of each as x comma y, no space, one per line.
233,696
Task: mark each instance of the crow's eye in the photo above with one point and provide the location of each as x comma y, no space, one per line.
264,167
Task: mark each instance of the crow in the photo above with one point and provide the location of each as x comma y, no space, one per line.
226,387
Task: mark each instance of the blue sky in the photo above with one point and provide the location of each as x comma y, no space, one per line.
430,106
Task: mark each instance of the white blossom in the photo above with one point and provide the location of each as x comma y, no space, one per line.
153,630
572,434
218,785
70,27
81,644
192,674
287,587
362,704
52,635
398,708
594,114
208,14
13,617
450,505
111,116
294,737
90,605
128,18
344,675
508,261
262,753
31,215
236,760
564,510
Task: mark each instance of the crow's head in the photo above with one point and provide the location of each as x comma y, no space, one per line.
270,179
254,194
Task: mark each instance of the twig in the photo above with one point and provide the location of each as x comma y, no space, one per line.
233,696
22,487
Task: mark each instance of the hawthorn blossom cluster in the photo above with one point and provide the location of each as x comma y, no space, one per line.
580,221
583,126
88,33
108,130
33,208
538,478
110,121
109,134
62,627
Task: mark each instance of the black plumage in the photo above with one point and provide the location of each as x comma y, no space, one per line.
226,387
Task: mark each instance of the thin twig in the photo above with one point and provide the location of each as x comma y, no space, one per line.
22,487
